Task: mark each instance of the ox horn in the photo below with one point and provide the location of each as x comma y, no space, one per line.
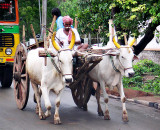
132,42
54,42
72,41
115,43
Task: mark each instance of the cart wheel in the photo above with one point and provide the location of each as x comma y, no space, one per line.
20,77
82,93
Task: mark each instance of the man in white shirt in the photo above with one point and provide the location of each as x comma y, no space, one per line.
64,35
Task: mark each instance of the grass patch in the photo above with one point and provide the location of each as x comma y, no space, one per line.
146,78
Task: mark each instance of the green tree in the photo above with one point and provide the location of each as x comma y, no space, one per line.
129,16
29,14
69,7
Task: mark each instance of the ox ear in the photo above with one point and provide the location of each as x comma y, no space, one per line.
135,57
113,52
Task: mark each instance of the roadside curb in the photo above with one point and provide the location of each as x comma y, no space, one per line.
143,102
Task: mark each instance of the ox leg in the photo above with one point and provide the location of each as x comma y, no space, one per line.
105,95
123,99
45,94
56,114
99,110
38,106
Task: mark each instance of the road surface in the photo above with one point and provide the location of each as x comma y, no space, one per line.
11,118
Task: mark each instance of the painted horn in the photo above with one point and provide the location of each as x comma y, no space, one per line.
72,41
132,42
115,43
54,42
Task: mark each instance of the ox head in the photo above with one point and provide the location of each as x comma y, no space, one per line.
65,60
124,58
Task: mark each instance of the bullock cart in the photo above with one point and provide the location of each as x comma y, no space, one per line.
81,88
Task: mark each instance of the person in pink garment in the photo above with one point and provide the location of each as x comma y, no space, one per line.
64,35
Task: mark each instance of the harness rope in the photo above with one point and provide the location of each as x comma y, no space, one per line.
53,62
111,57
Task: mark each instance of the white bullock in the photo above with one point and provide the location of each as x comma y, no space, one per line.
110,71
49,78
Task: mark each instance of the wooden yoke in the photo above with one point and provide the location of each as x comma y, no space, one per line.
76,24
125,39
111,29
51,30
46,42
24,35
34,35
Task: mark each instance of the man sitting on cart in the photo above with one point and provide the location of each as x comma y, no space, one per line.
64,35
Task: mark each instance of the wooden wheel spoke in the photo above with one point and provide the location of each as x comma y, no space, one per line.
23,67
19,58
16,67
23,76
15,59
16,85
76,93
23,83
18,90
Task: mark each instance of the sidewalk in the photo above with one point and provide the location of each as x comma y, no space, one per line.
139,97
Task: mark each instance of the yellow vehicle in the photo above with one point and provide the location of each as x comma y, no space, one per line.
9,39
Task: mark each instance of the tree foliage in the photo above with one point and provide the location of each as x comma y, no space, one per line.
129,15
29,14
69,8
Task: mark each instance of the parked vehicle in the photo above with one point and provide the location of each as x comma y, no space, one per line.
9,39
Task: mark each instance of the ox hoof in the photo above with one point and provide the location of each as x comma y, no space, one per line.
47,113
57,122
125,116
100,113
107,117
85,107
42,117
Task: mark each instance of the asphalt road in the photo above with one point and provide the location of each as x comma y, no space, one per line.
11,118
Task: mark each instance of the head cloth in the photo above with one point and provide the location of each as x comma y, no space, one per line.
67,18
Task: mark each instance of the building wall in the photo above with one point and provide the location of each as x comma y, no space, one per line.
153,55
151,51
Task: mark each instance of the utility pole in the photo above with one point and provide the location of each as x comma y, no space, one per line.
44,17
40,18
